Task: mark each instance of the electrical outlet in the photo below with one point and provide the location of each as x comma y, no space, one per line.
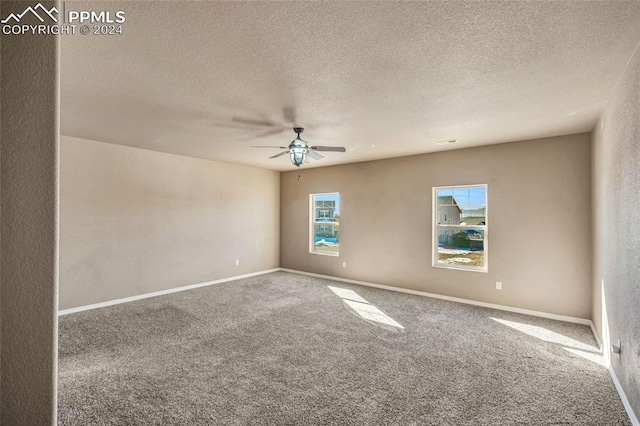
344,264
498,285
237,262
616,349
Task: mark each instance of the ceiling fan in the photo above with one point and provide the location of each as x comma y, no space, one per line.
299,149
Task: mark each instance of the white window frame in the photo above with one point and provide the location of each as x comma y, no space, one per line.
313,222
484,228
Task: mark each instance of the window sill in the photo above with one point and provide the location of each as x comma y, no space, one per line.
325,254
461,268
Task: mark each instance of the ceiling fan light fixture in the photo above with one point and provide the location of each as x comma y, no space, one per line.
299,150
298,155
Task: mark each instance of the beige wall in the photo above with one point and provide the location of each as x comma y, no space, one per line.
616,224
539,222
134,221
28,247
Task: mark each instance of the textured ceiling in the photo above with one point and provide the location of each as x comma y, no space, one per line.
383,79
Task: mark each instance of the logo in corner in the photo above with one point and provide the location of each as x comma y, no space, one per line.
34,11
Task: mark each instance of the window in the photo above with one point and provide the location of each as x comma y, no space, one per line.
460,227
325,227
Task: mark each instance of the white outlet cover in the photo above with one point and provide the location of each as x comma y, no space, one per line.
498,285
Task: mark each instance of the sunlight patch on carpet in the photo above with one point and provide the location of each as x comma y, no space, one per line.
573,346
345,293
590,356
363,308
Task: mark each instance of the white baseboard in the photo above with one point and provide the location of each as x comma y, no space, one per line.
623,397
161,292
565,318
329,277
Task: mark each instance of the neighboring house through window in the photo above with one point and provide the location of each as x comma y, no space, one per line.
460,227
325,226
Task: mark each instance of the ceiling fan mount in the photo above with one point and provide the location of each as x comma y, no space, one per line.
298,149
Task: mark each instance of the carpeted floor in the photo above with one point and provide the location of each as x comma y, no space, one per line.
286,349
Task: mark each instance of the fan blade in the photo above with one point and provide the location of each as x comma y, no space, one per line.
329,148
234,126
279,155
311,153
268,146
270,132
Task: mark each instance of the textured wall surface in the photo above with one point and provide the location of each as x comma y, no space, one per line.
0,229
539,220
134,221
28,248
616,206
